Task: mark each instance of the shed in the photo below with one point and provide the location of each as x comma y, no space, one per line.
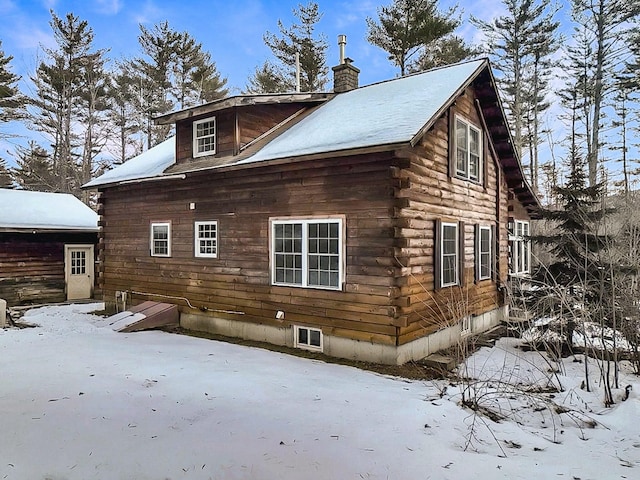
47,243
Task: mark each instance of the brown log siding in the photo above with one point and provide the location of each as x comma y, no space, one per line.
358,188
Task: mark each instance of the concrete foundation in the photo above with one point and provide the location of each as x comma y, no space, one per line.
346,347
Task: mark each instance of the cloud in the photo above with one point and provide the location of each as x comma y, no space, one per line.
149,13
108,7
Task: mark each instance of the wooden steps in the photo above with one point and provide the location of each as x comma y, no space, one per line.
145,316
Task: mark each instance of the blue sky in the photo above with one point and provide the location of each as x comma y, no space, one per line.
232,31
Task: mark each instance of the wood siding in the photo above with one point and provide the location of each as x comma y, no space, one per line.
390,203
235,128
361,189
432,194
32,266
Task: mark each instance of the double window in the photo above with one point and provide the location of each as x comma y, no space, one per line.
206,239
307,253
520,248
468,150
161,239
204,137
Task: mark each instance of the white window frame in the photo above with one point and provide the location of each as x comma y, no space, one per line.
196,151
486,254
305,253
520,248
455,255
198,239
307,345
466,172
466,325
152,245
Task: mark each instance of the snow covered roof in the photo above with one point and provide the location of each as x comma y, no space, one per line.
385,113
22,209
146,165
380,114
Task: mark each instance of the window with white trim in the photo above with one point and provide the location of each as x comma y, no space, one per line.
204,137
520,248
468,150
483,252
206,238
307,338
466,325
448,254
307,253
161,239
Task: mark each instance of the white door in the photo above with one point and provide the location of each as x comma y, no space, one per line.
78,268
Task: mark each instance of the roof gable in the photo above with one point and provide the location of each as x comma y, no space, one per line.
22,209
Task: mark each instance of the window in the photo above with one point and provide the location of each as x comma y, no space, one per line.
448,254
520,248
307,253
206,237
307,338
483,253
78,262
204,137
466,325
160,239
468,148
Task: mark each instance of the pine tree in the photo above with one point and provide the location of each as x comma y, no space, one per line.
173,72
577,241
405,27
59,83
443,51
11,100
267,78
299,39
521,44
123,116
34,170
6,178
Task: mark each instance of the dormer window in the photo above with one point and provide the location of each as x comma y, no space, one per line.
204,137
468,148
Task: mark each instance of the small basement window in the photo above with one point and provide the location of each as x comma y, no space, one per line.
204,137
307,338
161,239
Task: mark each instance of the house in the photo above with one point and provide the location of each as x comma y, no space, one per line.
376,223
47,243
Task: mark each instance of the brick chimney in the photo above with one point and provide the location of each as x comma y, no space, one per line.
345,75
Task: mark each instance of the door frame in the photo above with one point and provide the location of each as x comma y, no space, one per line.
90,265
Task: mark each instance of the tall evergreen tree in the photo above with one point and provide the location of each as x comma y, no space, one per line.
521,44
59,83
299,39
11,100
123,116
607,25
173,72
405,27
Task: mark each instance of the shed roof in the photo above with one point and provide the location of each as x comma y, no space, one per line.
27,210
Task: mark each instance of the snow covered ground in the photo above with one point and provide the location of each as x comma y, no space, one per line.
78,401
